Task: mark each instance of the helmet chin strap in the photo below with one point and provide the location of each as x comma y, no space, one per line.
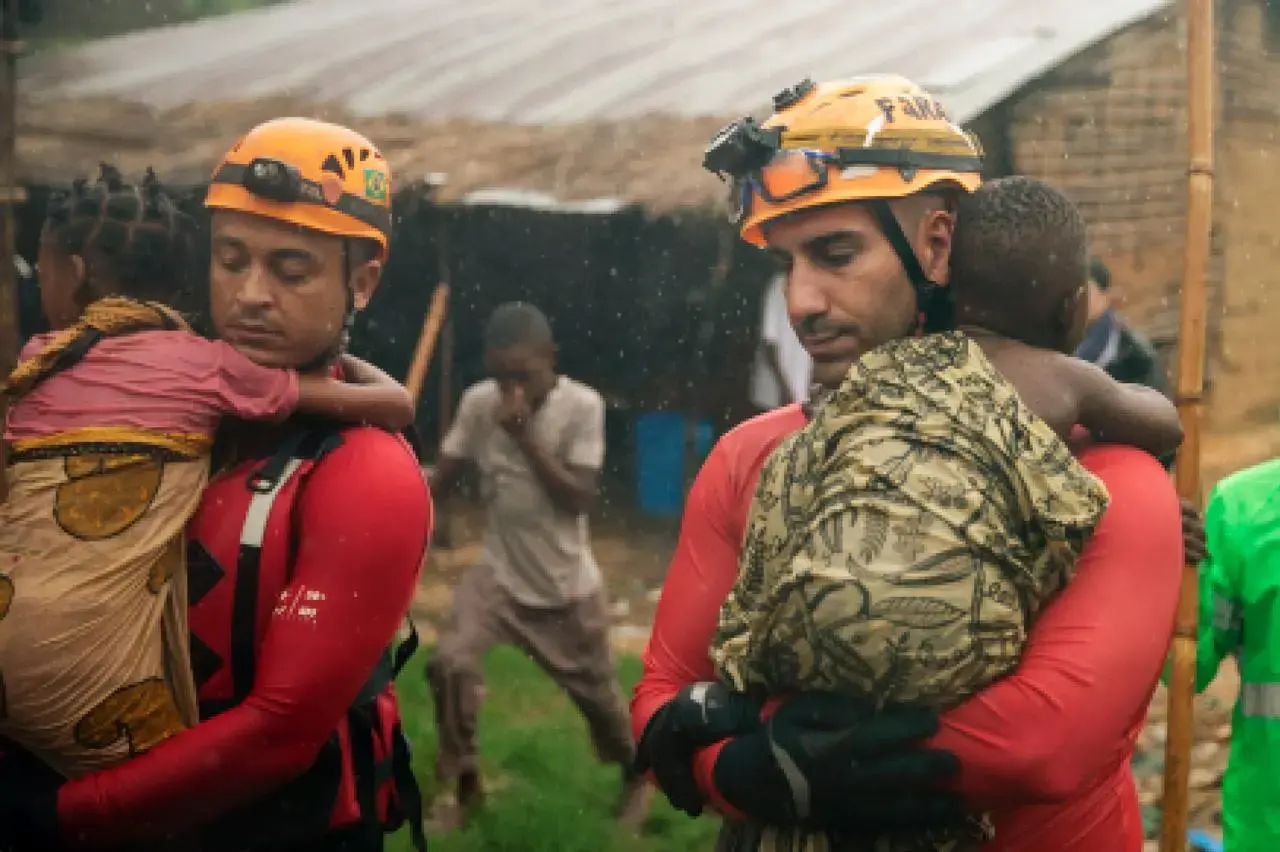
330,354
934,308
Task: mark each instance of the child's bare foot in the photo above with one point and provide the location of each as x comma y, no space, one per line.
633,804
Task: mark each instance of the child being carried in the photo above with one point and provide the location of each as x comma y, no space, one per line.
898,546
110,424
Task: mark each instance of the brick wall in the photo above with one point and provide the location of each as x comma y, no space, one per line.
1109,128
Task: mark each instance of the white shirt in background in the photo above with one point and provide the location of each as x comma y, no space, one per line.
796,365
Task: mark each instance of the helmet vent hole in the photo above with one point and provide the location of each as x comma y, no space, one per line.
331,164
364,154
350,157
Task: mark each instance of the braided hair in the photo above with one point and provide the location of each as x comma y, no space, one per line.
134,240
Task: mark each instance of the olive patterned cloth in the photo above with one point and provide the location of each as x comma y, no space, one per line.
898,545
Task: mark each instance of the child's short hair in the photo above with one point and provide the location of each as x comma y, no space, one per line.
517,324
134,240
1019,262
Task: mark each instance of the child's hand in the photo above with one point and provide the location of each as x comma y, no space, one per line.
356,371
513,412
1079,440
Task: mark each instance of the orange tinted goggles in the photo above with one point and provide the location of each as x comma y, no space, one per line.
795,172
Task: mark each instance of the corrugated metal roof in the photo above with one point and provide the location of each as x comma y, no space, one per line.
553,61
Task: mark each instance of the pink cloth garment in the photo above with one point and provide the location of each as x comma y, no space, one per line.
162,381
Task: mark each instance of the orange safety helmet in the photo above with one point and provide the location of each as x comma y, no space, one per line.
877,137
869,139
309,173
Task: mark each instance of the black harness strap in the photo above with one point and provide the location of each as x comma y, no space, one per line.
362,725
932,301
266,483
407,788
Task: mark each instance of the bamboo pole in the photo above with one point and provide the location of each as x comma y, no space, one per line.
1190,383
446,378
10,196
10,192
445,413
421,362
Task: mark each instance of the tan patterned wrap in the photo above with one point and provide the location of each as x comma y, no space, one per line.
898,545
94,656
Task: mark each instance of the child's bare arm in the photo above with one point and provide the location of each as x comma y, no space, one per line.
1120,413
372,396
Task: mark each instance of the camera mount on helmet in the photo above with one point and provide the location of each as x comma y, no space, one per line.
740,148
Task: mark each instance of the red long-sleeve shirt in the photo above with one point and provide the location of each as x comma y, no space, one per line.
363,519
1046,749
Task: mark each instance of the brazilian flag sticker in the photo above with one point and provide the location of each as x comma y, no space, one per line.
375,185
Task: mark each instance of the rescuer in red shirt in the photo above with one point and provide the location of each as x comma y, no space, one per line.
302,558
856,207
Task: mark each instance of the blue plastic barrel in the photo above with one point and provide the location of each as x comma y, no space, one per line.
660,459
1203,842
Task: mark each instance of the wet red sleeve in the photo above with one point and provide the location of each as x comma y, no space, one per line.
1067,714
364,518
702,571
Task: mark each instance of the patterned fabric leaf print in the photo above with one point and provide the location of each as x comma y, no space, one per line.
144,714
106,493
899,544
875,537
918,612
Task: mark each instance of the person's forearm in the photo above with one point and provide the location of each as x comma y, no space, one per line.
384,404
566,488
703,568
364,519
360,372
1092,658
189,780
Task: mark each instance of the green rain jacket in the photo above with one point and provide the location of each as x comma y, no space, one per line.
1240,617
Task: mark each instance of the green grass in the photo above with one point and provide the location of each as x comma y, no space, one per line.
554,796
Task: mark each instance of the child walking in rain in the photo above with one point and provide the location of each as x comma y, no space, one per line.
111,421
899,544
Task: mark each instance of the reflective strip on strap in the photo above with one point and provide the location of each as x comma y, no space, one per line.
1226,615
1260,700
255,520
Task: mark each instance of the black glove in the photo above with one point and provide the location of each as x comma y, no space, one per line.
699,715
827,761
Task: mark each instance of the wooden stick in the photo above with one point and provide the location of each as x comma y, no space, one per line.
442,235
446,378
421,362
1191,346
10,195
